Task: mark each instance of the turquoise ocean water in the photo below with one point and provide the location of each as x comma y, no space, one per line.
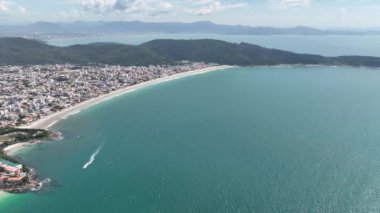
264,139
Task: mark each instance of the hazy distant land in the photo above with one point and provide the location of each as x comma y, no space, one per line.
80,28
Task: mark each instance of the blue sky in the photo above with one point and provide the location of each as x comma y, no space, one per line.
279,13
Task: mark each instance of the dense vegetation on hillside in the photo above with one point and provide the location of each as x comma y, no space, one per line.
19,51
10,136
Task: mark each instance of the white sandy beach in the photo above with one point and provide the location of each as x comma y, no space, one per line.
50,120
3,195
9,150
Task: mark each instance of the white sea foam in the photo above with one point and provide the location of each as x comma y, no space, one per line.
75,112
70,114
50,125
92,157
41,184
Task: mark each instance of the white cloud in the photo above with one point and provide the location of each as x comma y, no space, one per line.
4,6
22,9
154,7
11,7
205,7
342,13
283,4
364,1
151,7
97,5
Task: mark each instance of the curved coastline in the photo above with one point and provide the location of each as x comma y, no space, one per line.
50,120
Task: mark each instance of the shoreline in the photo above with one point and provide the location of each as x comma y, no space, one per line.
11,149
3,195
50,120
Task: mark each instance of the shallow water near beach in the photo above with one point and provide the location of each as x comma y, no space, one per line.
264,139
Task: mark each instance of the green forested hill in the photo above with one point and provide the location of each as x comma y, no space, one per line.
19,51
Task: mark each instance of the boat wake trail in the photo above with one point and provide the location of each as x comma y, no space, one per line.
92,157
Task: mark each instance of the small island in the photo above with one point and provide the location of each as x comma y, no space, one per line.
14,176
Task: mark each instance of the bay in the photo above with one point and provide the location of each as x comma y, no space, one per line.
263,139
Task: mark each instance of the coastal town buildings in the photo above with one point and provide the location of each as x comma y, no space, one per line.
28,93
32,92
11,173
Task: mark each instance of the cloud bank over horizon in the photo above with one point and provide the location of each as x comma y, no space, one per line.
280,13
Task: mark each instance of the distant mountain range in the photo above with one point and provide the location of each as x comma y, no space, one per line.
124,27
20,51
